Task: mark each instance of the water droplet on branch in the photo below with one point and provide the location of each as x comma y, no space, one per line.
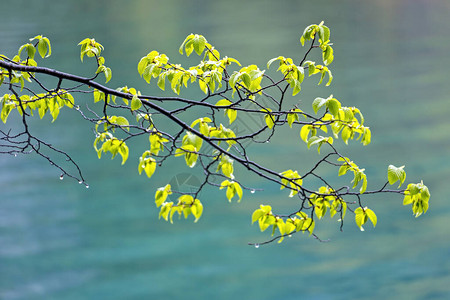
256,246
61,177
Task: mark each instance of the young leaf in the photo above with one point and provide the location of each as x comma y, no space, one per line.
161,194
304,132
372,216
268,118
231,113
318,103
360,217
136,103
396,174
197,210
108,74
165,210
333,106
280,58
257,214
124,152
224,102
292,117
188,38
238,190
42,48
199,43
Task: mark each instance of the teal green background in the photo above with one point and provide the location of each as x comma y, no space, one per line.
59,240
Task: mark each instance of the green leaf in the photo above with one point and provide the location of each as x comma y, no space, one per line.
246,79
108,74
189,47
292,117
418,195
425,193
289,226
136,103
227,169
203,86
346,134
296,87
54,112
192,139
100,60
313,141
123,151
372,216
161,194
396,174
333,106
190,156
304,132
330,78
142,65
120,121
30,50
197,210
346,114
42,48
199,43
302,40
360,217
232,114
6,109
230,193
48,46
98,96
224,102
148,71
156,142
165,210
413,189
238,190
257,214
326,33
327,55
318,103
364,184
234,78
274,59
343,169
162,81
269,120
281,227
188,38
367,136
147,164
322,76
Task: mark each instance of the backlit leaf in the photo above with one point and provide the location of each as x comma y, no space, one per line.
136,103
396,174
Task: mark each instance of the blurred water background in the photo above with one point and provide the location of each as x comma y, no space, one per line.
59,240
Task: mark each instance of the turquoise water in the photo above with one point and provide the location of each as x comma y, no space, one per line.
59,240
